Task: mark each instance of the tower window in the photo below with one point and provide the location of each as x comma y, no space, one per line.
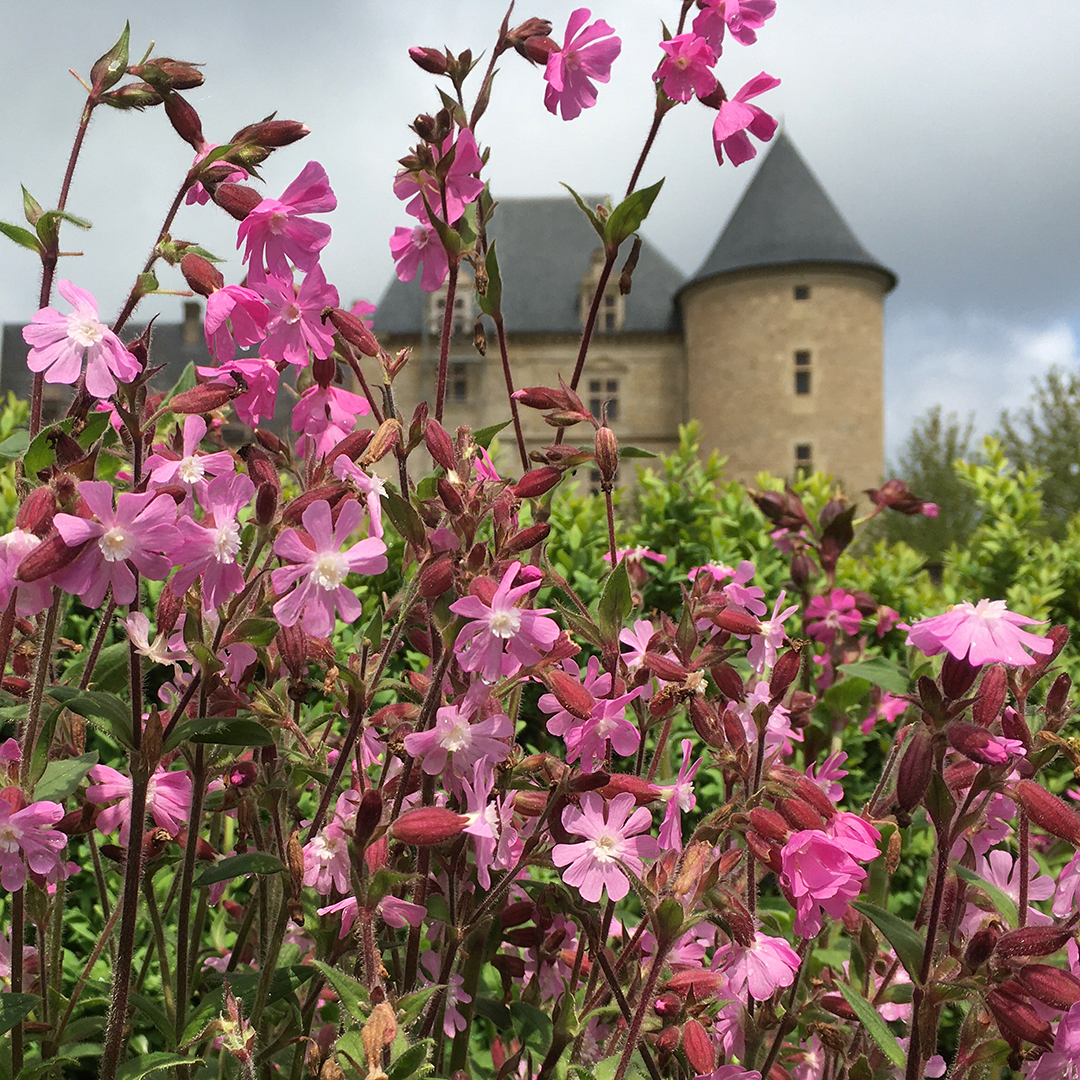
601,390
802,292
611,311
802,371
458,383
464,314
804,458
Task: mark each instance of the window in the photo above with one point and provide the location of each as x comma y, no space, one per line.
802,292
601,391
802,371
804,458
464,314
457,386
608,320
612,309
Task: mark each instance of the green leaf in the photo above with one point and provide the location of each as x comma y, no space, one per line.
404,518
38,1068
615,604
23,237
595,221
635,452
495,1011
96,705
222,730
109,69
41,453
412,1061
186,381
252,862
1004,903
528,1018
907,943
627,217
32,209
352,992
145,1064
483,436
14,446
845,693
61,778
13,1007
412,1005
875,1026
881,672
257,632
491,301
111,671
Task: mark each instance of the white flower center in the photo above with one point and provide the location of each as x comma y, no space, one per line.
291,312
277,221
457,738
505,623
329,570
117,544
226,542
9,839
84,331
190,470
605,849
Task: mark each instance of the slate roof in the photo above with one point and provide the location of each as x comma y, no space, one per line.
545,247
785,217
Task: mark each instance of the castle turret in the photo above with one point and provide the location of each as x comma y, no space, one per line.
784,334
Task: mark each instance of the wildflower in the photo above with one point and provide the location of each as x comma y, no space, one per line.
498,844
324,416
583,57
208,549
373,488
887,710
1003,871
827,615
745,597
28,832
295,318
58,344
168,799
420,245
635,556
637,638
741,17
611,844
235,316
278,230
319,573
686,69
1062,1061
453,995
31,596
606,724
326,860
502,638
762,967
189,468
260,379
158,651
983,633
763,645
680,797
736,117
459,185
820,875
139,531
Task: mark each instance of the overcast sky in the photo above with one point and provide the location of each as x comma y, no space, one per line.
947,134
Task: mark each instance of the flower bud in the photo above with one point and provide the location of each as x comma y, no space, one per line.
530,803
607,454
542,397
734,731
201,275
1050,813
537,49
736,622
1017,1020
436,577
957,677
430,60
705,722
668,1004
698,1047
238,200
185,121
770,824
266,504
916,766
166,74
269,441
981,946
570,694
368,814
450,496
975,743
1031,940
355,331
800,815
1050,985
1014,726
527,538
838,1006
537,482
439,445
801,785
729,681
136,95
201,399
331,493
666,669
784,673
766,853
270,134
1057,699
703,984
36,513
49,557
427,825
991,695
643,792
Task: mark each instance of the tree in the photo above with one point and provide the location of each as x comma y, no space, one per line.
926,462
1046,435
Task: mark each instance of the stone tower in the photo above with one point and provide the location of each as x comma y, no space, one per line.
783,329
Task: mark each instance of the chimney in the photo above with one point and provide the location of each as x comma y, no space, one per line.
193,325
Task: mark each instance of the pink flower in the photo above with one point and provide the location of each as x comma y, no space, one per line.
680,797
763,645
326,860
189,468
825,616
28,832
258,376
583,57
420,244
199,194
235,316
607,723
277,230
208,549
637,638
887,710
686,70
460,186
747,597
456,740
820,875
372,487
32,596
741,17
139,531
295,318
635,556
761,968
497,842
1062,1062
502,638
362,309
610,844
324,416
168,799
58,344
735,118
983,633
319,572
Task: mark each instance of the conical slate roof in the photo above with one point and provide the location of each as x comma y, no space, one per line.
785,217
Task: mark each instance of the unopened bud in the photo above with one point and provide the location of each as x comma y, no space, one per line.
957,677
185,121
1014,726
570,694
916,766
705,722
607,454
439,445
260,468
36,513
1050,813
668,1004
698,1047
770,824
49,557
729,682
355,331
542,397
136,95
980,947
201,275
537,482
838,1006
976,743
784,673
266,504
166,74
801,784
800,815
766,852
368,815
530,803
269,441
237,200
430,60
270,134
436,577
1057,701
734,731
527,538
704,984
201,399
627,275
1016,1019
666,669
450,496
1032,941
736,622
643,792
991,695
1050,985
427,825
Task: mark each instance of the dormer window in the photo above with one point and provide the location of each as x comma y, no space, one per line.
612,310
464,309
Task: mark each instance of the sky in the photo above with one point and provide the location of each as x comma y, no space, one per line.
948,135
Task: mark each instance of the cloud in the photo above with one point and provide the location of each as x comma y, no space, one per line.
970,362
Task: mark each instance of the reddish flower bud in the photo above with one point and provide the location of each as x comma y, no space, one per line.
450,496
643,792
266,504
975,743
736,622
770,824
697,981
668,1004
201,275
766,853
981,947
1014,726
368,814
784,673
838,1006
1058,705
432,61
436,577
439,445
166,74
1032,940
201,399
527,538
734,731
666,669
530,803
916,766
136,95
185,121
957,677
270,134
427,825
607,454
801,785
705,722
698,1047
570,694
729,682
800,815
260,468
1050,813
36,513
49,557
896,495
1017,1020
355,331
1050,985
238,200
991,695
331,493
542,397
537,482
